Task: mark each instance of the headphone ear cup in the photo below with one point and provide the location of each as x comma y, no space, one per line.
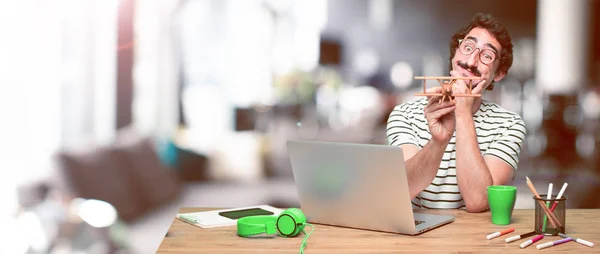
300,220
291,222
299,215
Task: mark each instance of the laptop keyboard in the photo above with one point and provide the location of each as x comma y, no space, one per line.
417,222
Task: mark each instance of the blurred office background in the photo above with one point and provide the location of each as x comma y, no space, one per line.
116,113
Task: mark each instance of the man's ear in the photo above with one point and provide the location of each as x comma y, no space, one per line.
499,76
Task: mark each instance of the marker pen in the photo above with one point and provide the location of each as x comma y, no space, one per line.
560,193
517,237
532,240
494,235
549,244
189,219
578,240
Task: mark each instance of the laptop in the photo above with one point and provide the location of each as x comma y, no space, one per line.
362,186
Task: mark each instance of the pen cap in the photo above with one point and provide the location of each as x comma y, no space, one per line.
513,238
584,242
543,245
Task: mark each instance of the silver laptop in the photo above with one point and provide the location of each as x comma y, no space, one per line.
361,186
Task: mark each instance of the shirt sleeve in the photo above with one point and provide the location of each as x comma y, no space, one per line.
508,146
399,131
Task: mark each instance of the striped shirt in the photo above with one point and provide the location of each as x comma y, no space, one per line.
500,133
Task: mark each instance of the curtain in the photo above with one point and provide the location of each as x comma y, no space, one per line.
57,80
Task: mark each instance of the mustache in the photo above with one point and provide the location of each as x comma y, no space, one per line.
472,69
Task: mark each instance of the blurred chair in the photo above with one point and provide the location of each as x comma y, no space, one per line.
192,166
127,174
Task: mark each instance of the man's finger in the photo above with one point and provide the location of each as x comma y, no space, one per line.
441,112
459,87
432,99
454,73
437,106
479,87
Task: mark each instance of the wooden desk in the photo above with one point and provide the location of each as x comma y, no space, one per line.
466,234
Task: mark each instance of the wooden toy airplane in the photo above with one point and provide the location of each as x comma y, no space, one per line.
447,83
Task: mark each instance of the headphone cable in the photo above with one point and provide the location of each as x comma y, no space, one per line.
312,228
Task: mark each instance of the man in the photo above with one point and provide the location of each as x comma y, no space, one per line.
454,151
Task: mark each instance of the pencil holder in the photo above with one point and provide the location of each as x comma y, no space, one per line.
558,209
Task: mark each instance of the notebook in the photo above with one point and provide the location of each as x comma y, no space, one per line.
225,217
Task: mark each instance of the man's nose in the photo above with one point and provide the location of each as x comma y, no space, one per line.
473,59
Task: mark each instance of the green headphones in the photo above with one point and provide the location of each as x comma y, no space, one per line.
288,224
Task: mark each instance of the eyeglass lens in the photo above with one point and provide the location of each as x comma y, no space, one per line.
486,56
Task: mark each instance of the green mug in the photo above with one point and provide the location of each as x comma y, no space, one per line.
501,200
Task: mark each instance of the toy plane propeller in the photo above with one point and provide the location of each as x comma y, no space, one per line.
447,83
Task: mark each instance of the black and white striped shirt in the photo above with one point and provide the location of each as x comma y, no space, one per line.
500,133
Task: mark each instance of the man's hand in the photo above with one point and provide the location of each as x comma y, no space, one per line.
440,117
464,105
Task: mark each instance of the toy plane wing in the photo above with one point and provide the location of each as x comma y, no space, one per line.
428,94
447,78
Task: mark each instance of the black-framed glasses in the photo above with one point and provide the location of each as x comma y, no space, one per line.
486,56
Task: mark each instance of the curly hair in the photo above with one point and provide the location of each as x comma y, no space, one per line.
495,28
